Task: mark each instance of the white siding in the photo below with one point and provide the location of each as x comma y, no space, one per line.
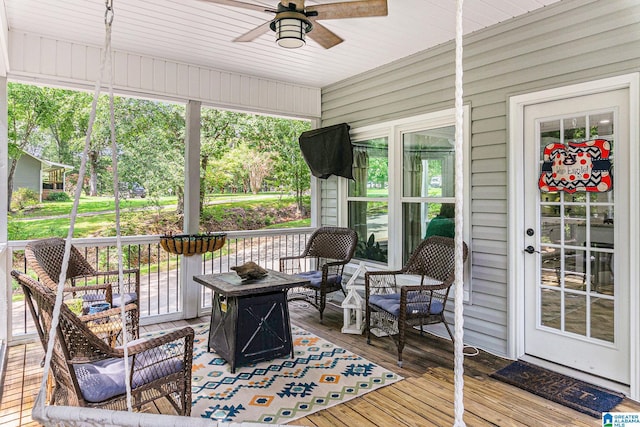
27,174
58,62
568,42
329,195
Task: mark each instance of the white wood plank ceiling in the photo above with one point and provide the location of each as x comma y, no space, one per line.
201,33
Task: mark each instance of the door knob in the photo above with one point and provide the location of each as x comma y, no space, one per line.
530,249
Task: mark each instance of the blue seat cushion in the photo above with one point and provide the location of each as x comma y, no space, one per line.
416,304
129,297
104,379
315,278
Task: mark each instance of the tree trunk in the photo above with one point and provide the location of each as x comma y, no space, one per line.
93,173
12,170
180,206
203,165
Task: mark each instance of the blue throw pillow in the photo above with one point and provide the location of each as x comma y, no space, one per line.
104,379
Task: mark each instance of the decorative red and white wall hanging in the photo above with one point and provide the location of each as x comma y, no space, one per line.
578,166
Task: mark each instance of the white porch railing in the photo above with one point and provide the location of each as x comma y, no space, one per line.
162,292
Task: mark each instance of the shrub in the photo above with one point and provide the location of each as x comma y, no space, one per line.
371,250
58,197
23,198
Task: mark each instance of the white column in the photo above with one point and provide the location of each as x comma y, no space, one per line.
316,192
191,265
5,254
316,201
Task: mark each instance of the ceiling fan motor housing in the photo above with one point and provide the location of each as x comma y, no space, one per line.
292,15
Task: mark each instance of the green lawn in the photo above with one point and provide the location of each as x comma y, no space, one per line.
292,224
91,204
33,226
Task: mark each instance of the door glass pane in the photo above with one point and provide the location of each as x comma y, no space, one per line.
602,197
549,134
551,265
551,308
601,234
575,309
601,272
602,215
550,239
602,316
601,125
551,227
575,269
552,197
575,129
574,225
575,197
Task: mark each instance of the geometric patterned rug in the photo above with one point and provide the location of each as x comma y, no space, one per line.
319,376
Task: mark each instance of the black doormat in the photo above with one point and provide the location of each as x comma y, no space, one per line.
579,395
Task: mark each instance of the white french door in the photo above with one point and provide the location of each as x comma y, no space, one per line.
576,266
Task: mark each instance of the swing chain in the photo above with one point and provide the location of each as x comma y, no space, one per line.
108,13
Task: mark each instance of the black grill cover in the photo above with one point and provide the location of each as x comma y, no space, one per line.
328,151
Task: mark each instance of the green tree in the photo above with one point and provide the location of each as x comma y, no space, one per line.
30,111
69,127
256,166
150,138
290,171
378,172
219,134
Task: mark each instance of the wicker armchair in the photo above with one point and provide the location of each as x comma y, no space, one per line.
393,307
90,373
45,258
322,262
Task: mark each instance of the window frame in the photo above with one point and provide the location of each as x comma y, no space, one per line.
394,130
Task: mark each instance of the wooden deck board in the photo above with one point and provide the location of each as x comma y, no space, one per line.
418,403
424,398
502,404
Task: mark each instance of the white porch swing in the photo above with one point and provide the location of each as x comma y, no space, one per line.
82,416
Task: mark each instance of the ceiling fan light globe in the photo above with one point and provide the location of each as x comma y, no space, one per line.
290,32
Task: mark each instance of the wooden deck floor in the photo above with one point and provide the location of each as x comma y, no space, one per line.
424,398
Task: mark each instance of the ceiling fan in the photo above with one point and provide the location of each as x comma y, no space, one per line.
293,20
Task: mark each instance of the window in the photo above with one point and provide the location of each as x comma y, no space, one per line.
368,205
428,166
404,186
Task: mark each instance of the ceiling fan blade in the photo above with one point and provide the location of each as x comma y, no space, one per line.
240,4
352,9
253,34
323,36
